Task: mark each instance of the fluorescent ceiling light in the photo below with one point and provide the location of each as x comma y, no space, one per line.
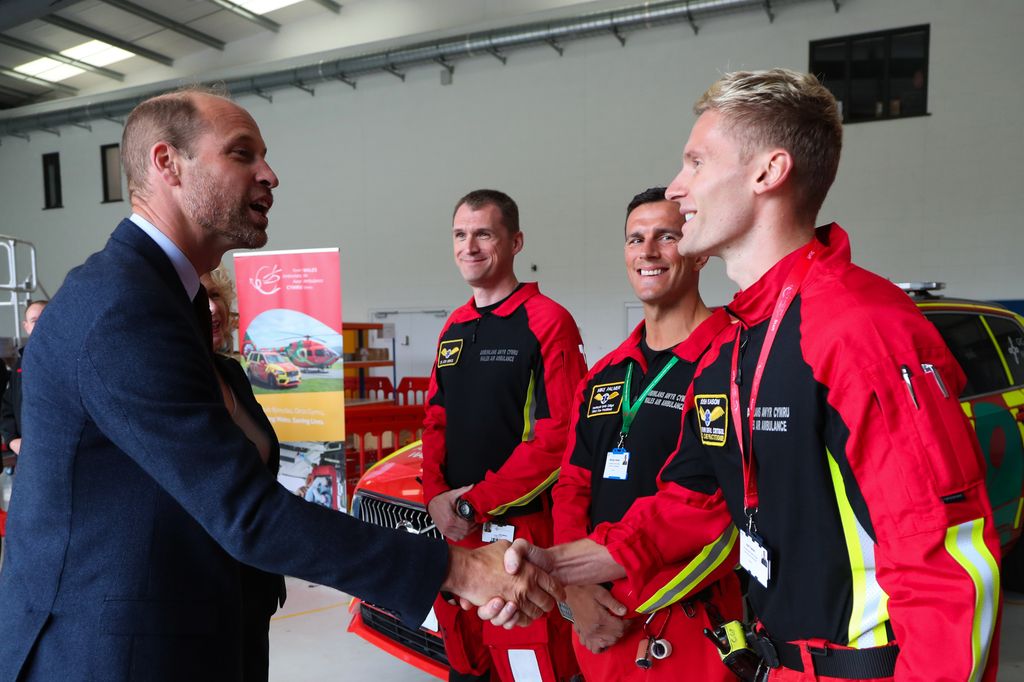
48,69
97,53
94,52
264,6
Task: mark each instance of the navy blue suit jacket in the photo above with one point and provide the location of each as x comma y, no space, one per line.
137,496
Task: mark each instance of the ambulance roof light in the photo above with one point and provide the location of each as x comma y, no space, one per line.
921,289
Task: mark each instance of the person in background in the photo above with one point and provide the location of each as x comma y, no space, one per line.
626,423
262,592
497,417
10,406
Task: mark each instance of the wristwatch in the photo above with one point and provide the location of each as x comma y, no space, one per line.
464,510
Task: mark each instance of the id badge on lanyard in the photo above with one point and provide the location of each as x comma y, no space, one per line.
616,463
755,557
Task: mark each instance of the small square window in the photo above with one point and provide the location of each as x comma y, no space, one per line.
51,181
875,76
110,155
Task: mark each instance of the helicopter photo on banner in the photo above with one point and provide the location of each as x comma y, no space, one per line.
289,330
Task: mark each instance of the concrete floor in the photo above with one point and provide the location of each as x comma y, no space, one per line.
308,642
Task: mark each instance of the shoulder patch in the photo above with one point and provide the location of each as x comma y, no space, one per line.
448,353
605,399
712,418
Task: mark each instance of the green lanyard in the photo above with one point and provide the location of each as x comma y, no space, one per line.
629,410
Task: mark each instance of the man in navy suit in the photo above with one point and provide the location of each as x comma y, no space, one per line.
137,494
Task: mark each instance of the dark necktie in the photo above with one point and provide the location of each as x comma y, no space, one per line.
201,306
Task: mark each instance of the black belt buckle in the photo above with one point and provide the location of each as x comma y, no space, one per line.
817,650
764,648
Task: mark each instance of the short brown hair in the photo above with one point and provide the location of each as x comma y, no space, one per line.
787,109
479,198
172,117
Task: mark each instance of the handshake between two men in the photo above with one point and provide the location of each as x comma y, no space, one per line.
513,584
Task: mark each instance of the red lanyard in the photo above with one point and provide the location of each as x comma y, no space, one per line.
789,291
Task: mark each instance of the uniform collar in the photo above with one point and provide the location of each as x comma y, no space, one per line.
525,291
754,304
688,350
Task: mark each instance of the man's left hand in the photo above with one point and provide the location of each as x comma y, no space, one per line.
597,616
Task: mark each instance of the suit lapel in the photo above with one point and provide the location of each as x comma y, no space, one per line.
130,235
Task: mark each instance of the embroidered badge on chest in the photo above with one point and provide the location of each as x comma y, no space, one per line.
449,353
712,418
605,399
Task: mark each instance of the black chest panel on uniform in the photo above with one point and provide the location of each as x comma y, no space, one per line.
652,437
485,369
798,516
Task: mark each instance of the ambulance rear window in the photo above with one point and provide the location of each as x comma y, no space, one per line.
972,347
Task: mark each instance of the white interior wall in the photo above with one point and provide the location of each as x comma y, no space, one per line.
376,170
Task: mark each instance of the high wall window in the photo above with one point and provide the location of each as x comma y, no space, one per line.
876,76
51,181
110,155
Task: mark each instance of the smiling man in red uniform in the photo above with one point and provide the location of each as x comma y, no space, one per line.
497,418
626,424
827,422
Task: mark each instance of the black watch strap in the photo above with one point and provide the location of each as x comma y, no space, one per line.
464,509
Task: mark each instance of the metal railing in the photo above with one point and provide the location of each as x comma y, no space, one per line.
18,286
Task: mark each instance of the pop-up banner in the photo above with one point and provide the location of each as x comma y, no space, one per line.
289,330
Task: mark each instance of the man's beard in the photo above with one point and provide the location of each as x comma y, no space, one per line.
208,207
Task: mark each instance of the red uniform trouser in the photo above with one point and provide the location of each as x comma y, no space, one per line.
808,674
693,656
540,652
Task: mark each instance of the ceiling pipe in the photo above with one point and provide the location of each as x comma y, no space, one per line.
447,51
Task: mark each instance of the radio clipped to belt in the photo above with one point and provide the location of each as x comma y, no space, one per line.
746,652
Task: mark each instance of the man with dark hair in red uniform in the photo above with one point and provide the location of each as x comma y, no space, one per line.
497,417
625,425
827,423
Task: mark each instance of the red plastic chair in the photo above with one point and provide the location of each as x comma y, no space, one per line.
413,390
379,388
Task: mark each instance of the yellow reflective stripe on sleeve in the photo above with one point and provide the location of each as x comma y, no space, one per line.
528,497
966,544
869,612
529,411
999,350
1016,519
693,573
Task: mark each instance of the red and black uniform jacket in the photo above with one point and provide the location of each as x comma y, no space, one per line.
584,498
871,481
499,400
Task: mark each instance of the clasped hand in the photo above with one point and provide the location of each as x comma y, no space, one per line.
505,598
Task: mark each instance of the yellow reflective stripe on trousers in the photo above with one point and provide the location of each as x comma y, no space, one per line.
869,611
529,411
693,573
966,544
528,497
